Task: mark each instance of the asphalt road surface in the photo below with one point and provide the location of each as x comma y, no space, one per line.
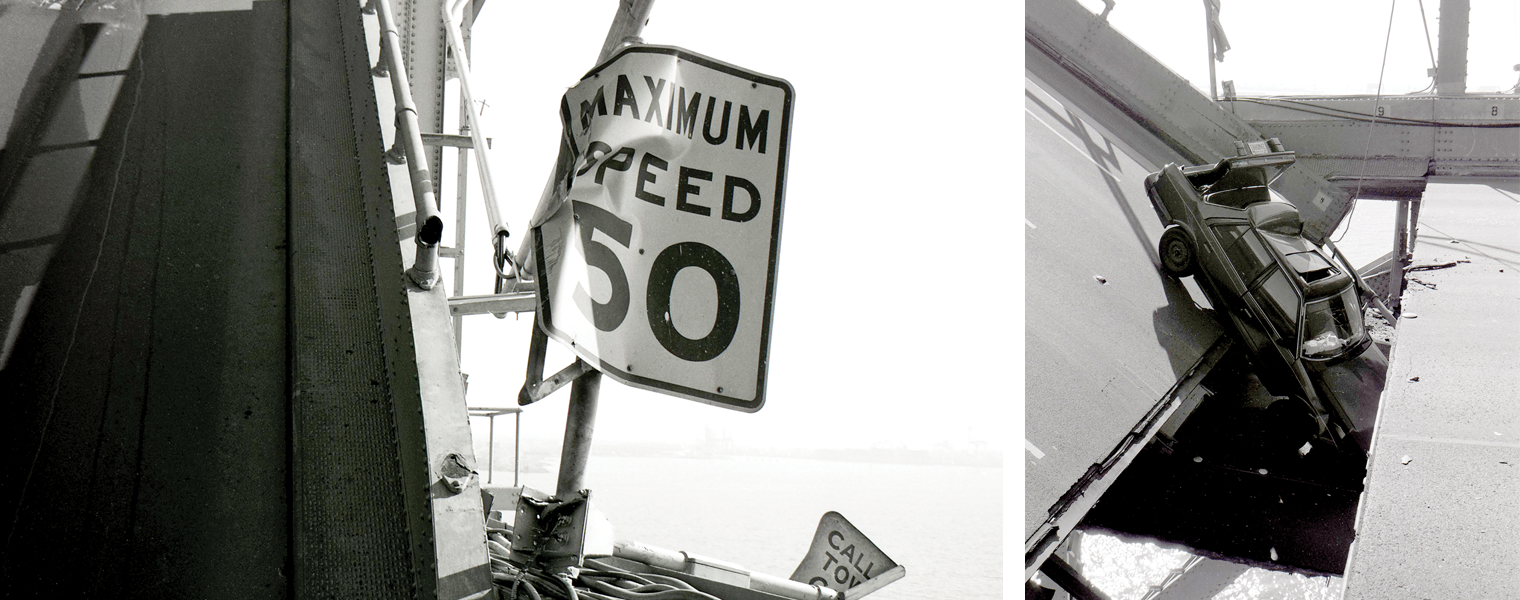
1106,333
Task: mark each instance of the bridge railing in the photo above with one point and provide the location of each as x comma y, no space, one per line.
424,270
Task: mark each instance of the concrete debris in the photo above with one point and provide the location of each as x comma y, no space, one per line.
1406,459
1446,265
1274,554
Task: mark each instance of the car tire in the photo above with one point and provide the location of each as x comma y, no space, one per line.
1178,257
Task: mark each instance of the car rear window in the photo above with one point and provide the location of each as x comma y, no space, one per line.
1310,265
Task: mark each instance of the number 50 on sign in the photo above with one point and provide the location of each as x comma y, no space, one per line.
656,249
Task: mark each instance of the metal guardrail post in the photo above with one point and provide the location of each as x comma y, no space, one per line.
491,413
424,271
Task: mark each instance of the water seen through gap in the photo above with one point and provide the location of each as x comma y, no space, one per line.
943,523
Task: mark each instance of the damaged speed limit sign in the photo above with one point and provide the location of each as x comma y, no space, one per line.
656,245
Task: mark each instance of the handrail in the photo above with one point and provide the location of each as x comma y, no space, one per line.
424,271
477,133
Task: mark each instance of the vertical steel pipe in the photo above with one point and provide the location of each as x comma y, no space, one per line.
491,449
460,212
1414,223
516,448
626,26
1208,27
424,269
1451,70
1400,257
580,423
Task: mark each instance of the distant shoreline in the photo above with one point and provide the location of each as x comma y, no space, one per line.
895,456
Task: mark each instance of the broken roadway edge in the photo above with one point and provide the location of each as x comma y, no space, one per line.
1439,512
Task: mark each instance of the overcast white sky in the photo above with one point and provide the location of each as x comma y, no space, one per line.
897,288
1319,46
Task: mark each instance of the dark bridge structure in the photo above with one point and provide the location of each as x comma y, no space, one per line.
211,376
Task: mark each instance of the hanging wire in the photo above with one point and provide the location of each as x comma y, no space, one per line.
1429,46
1376,103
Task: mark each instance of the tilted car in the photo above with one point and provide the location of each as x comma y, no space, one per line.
1293,304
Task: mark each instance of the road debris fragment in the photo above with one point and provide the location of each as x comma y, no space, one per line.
1415,378
1274,554
1406,459
1100,279
1432,267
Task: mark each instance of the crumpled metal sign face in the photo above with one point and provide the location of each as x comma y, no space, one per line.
842,558
656,246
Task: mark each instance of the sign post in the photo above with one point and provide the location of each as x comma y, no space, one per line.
655,246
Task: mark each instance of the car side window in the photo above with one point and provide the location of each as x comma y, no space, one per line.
1245,251
1277,296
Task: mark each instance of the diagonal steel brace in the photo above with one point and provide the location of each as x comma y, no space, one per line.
535,387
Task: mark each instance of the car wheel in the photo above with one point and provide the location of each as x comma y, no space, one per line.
1177,255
